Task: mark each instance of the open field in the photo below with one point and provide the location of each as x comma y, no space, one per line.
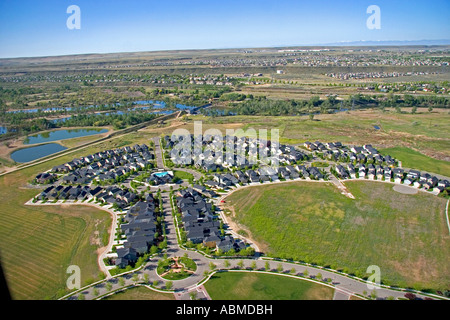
259,286
141,293
405,235
37,244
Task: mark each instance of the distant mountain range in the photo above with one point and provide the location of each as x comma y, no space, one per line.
441,42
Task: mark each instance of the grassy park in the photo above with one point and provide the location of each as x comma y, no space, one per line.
260,286
140,293
405,235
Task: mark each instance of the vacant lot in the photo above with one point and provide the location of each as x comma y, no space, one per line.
405,235
260,286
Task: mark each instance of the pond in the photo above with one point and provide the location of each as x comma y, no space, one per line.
33,153
62,135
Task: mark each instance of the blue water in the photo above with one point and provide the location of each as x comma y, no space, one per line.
33,153
62,135
161,174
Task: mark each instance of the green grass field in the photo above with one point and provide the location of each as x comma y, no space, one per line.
38,243
183,175
416,160
261,286
405,235
141,293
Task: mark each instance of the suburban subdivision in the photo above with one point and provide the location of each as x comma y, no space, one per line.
155,211
235,153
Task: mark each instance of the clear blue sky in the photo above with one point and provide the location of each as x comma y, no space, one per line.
38,27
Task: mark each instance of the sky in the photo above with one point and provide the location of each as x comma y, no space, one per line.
30,28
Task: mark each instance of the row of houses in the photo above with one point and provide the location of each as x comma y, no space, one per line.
105,165
262,175
109,195
200,224
140,231
211,152
399,175
61,192
336,151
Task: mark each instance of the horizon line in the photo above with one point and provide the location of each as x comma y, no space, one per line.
344,43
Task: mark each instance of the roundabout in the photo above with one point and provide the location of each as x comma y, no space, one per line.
176,268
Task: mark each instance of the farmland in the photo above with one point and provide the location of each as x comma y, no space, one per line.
405,235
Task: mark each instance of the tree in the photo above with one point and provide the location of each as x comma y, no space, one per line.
311,116
169,285
373,294
193,295
240,264
279,267
267,266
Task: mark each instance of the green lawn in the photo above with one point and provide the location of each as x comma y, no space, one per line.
183,175
416,160
164,267
261,286
141,293
405,235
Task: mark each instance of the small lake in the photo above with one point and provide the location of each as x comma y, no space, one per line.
33,153
62,135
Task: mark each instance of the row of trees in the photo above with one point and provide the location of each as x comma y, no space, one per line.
263,106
